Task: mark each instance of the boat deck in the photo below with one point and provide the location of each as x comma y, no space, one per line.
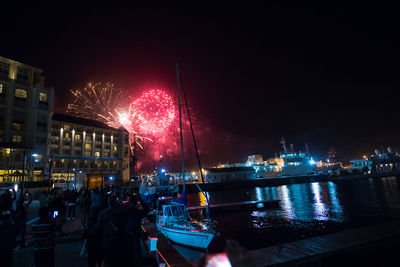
167,252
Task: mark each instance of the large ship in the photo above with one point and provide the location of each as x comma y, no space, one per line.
288,163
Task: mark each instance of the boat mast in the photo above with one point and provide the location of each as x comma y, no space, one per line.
180,123
197,152
191,129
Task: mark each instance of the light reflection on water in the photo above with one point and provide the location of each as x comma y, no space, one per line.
319,201
305,210
307,202
320,208
286,202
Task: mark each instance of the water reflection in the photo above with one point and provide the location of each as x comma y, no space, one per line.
287,205
305,209
336,207
259,194
320,208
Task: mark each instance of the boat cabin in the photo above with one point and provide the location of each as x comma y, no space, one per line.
173,213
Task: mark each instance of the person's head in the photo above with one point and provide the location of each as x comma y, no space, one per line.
112,201
44,213
133,201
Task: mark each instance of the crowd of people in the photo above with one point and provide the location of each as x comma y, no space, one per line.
110,223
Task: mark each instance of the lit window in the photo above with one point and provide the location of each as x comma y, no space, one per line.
88,146
67,135
62,160
97,154
77,137
67,127
115,148
20,93
17,126
43,97
17,139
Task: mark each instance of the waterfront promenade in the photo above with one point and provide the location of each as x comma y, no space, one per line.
67,250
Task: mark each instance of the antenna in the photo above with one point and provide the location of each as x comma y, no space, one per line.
283,143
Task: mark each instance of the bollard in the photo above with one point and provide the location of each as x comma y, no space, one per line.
153,244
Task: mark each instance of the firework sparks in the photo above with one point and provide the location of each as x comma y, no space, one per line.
98,102
105,103
152,113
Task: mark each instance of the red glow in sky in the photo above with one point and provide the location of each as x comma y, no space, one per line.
153,112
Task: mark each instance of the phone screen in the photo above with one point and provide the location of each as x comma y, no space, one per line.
55,213
218,260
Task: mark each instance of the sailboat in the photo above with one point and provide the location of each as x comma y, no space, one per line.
172,218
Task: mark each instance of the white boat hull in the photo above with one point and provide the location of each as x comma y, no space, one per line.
187,237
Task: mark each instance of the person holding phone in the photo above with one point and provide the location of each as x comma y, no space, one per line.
22,211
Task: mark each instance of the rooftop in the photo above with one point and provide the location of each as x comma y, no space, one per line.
82,121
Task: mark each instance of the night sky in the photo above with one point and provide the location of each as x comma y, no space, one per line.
327,76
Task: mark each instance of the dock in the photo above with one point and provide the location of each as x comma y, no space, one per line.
236,206
315,251
165,251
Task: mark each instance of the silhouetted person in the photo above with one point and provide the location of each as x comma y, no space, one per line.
103,225
135,215
43,232
9,229
21,211
71,202
84,205
121,253
93,242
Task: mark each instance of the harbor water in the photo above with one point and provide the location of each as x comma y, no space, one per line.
306,210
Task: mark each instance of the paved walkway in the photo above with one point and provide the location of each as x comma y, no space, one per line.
67,250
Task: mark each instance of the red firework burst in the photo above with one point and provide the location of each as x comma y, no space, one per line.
153,112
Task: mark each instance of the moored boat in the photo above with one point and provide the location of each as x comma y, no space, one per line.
174,222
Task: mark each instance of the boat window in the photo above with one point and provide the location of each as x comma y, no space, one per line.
181,210
167,211
176,211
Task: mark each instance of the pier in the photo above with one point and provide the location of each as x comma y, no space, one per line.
330,249
165,251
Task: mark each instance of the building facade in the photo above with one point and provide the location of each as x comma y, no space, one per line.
25,110
88,152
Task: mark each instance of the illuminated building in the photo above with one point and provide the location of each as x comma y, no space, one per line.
25,109
90,150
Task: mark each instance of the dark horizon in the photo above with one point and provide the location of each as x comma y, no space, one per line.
319,75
